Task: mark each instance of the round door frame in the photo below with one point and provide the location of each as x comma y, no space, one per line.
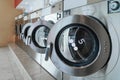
29,40
23,30
104,45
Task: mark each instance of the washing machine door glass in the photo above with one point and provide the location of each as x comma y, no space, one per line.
40,36
78,45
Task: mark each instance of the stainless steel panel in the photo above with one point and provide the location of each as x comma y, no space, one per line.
30,38
58,7
73,4
39,58
78,3
46,11
94,1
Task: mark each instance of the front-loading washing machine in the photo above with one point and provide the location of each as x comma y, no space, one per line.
37,35
37,41
86,44
24,32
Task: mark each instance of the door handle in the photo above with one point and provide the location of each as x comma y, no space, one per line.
48,51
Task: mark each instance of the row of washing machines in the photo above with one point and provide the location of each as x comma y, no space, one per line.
34,33
82,45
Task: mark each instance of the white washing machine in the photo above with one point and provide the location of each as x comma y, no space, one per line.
24,32
86,44
48,65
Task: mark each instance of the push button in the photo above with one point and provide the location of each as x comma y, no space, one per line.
113,6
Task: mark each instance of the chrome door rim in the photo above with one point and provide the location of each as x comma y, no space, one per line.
24,28
35,25
104,47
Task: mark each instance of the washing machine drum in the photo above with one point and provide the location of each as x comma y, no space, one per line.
37,35
79,45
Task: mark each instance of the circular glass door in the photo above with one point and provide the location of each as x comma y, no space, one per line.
80,45
40,36
77,45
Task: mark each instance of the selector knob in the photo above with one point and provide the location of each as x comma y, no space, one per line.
115,5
